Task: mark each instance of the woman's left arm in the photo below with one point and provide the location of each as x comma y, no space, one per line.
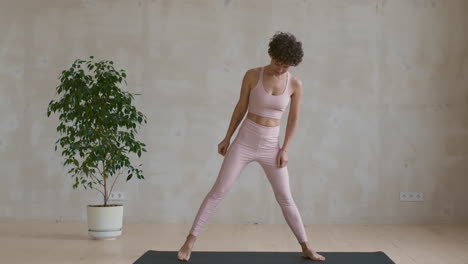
294,109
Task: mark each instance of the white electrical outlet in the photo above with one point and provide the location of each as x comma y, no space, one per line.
118,196
411,196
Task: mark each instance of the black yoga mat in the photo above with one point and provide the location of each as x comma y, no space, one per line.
262,257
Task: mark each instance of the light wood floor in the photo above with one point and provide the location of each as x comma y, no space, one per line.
68,242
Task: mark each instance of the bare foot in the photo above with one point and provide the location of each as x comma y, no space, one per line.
186,249
309,253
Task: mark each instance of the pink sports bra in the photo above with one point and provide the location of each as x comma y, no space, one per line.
264,104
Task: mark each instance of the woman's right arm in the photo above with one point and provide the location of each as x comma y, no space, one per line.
241,106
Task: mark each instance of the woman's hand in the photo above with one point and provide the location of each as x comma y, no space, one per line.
282,158
223,146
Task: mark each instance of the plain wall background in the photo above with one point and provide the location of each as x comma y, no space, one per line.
385,106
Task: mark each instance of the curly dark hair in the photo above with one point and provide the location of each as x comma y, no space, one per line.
285,48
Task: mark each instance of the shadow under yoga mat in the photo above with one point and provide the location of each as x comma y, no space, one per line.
263,257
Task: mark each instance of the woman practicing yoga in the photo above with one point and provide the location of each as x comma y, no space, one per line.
266,92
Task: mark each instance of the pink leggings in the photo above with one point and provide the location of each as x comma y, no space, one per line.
254,142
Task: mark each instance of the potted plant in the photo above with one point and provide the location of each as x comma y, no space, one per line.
98,124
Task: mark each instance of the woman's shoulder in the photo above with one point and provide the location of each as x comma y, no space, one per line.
254,71
252,75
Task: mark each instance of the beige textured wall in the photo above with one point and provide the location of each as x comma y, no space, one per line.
385,106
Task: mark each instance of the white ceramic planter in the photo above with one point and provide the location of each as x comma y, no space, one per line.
105,222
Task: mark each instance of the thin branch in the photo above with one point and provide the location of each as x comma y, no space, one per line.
96,184
98,190
97,167
99,181
115,181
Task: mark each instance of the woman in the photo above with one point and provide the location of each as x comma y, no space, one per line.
265,92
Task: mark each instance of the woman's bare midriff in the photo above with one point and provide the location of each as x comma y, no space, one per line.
262,120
